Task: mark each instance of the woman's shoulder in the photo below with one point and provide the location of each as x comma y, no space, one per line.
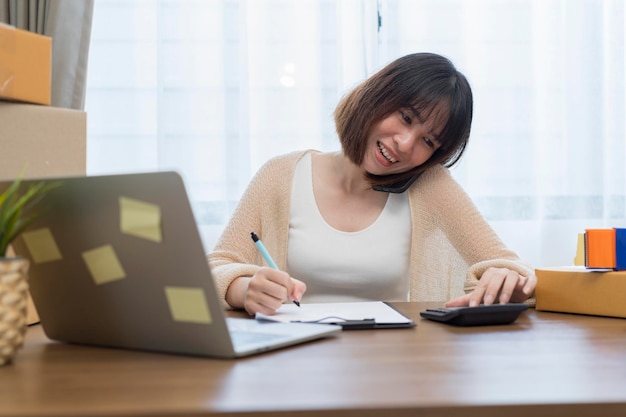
285,161
438,188
433,177
436,184
273,179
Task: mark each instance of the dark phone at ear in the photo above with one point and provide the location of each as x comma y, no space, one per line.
398,187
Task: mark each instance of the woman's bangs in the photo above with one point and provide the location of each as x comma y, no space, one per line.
454,135
439,112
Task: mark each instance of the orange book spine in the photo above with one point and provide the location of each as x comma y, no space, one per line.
600,248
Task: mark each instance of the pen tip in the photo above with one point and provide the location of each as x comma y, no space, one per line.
296,303
254,236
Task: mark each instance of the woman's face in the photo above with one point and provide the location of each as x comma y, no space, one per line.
401,141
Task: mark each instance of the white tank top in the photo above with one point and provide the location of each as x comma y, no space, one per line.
370,264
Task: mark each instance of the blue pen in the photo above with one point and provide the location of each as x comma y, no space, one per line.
261,247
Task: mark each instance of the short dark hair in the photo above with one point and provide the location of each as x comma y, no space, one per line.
420,81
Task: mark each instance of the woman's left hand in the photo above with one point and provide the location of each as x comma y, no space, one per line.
498,284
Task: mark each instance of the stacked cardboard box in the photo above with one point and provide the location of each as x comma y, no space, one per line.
36,140
576,289
42,141
25,65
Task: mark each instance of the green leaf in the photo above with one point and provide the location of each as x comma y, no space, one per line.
17,211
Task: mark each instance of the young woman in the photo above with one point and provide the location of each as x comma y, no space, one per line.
381,220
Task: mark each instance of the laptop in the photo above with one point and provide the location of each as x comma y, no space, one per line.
117,261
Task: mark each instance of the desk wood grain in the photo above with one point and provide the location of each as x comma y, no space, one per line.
545,364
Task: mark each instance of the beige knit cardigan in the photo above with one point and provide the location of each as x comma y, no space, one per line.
452,245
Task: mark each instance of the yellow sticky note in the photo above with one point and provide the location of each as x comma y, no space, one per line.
103,264
579,259
140,219
188,304
42,246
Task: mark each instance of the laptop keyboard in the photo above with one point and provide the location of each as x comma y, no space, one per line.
242,337
243,332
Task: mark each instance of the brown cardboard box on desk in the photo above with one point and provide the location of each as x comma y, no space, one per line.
25,65
41,141
576,289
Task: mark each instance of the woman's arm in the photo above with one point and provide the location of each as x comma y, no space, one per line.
495,274
263,209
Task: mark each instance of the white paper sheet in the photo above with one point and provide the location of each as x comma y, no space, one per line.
334,312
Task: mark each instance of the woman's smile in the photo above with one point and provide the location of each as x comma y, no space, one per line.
385,153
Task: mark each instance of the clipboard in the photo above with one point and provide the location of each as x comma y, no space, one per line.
350,316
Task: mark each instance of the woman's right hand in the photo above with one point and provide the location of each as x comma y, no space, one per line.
268,289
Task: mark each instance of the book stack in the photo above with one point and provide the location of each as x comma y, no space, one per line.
37,140
605,248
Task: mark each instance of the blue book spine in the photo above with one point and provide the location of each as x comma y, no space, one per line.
620,248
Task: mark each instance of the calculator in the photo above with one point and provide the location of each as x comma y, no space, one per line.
481,315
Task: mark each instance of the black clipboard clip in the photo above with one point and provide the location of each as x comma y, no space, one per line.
344,323
357,324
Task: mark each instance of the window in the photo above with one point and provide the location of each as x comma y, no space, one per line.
213,89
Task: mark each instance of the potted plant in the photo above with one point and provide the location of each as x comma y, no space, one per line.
17,211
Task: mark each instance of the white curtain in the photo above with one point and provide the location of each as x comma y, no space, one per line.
213,89
547,151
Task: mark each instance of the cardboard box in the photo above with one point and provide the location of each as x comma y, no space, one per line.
25,65
579,290
41,141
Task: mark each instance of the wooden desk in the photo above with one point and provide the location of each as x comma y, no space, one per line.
546,364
